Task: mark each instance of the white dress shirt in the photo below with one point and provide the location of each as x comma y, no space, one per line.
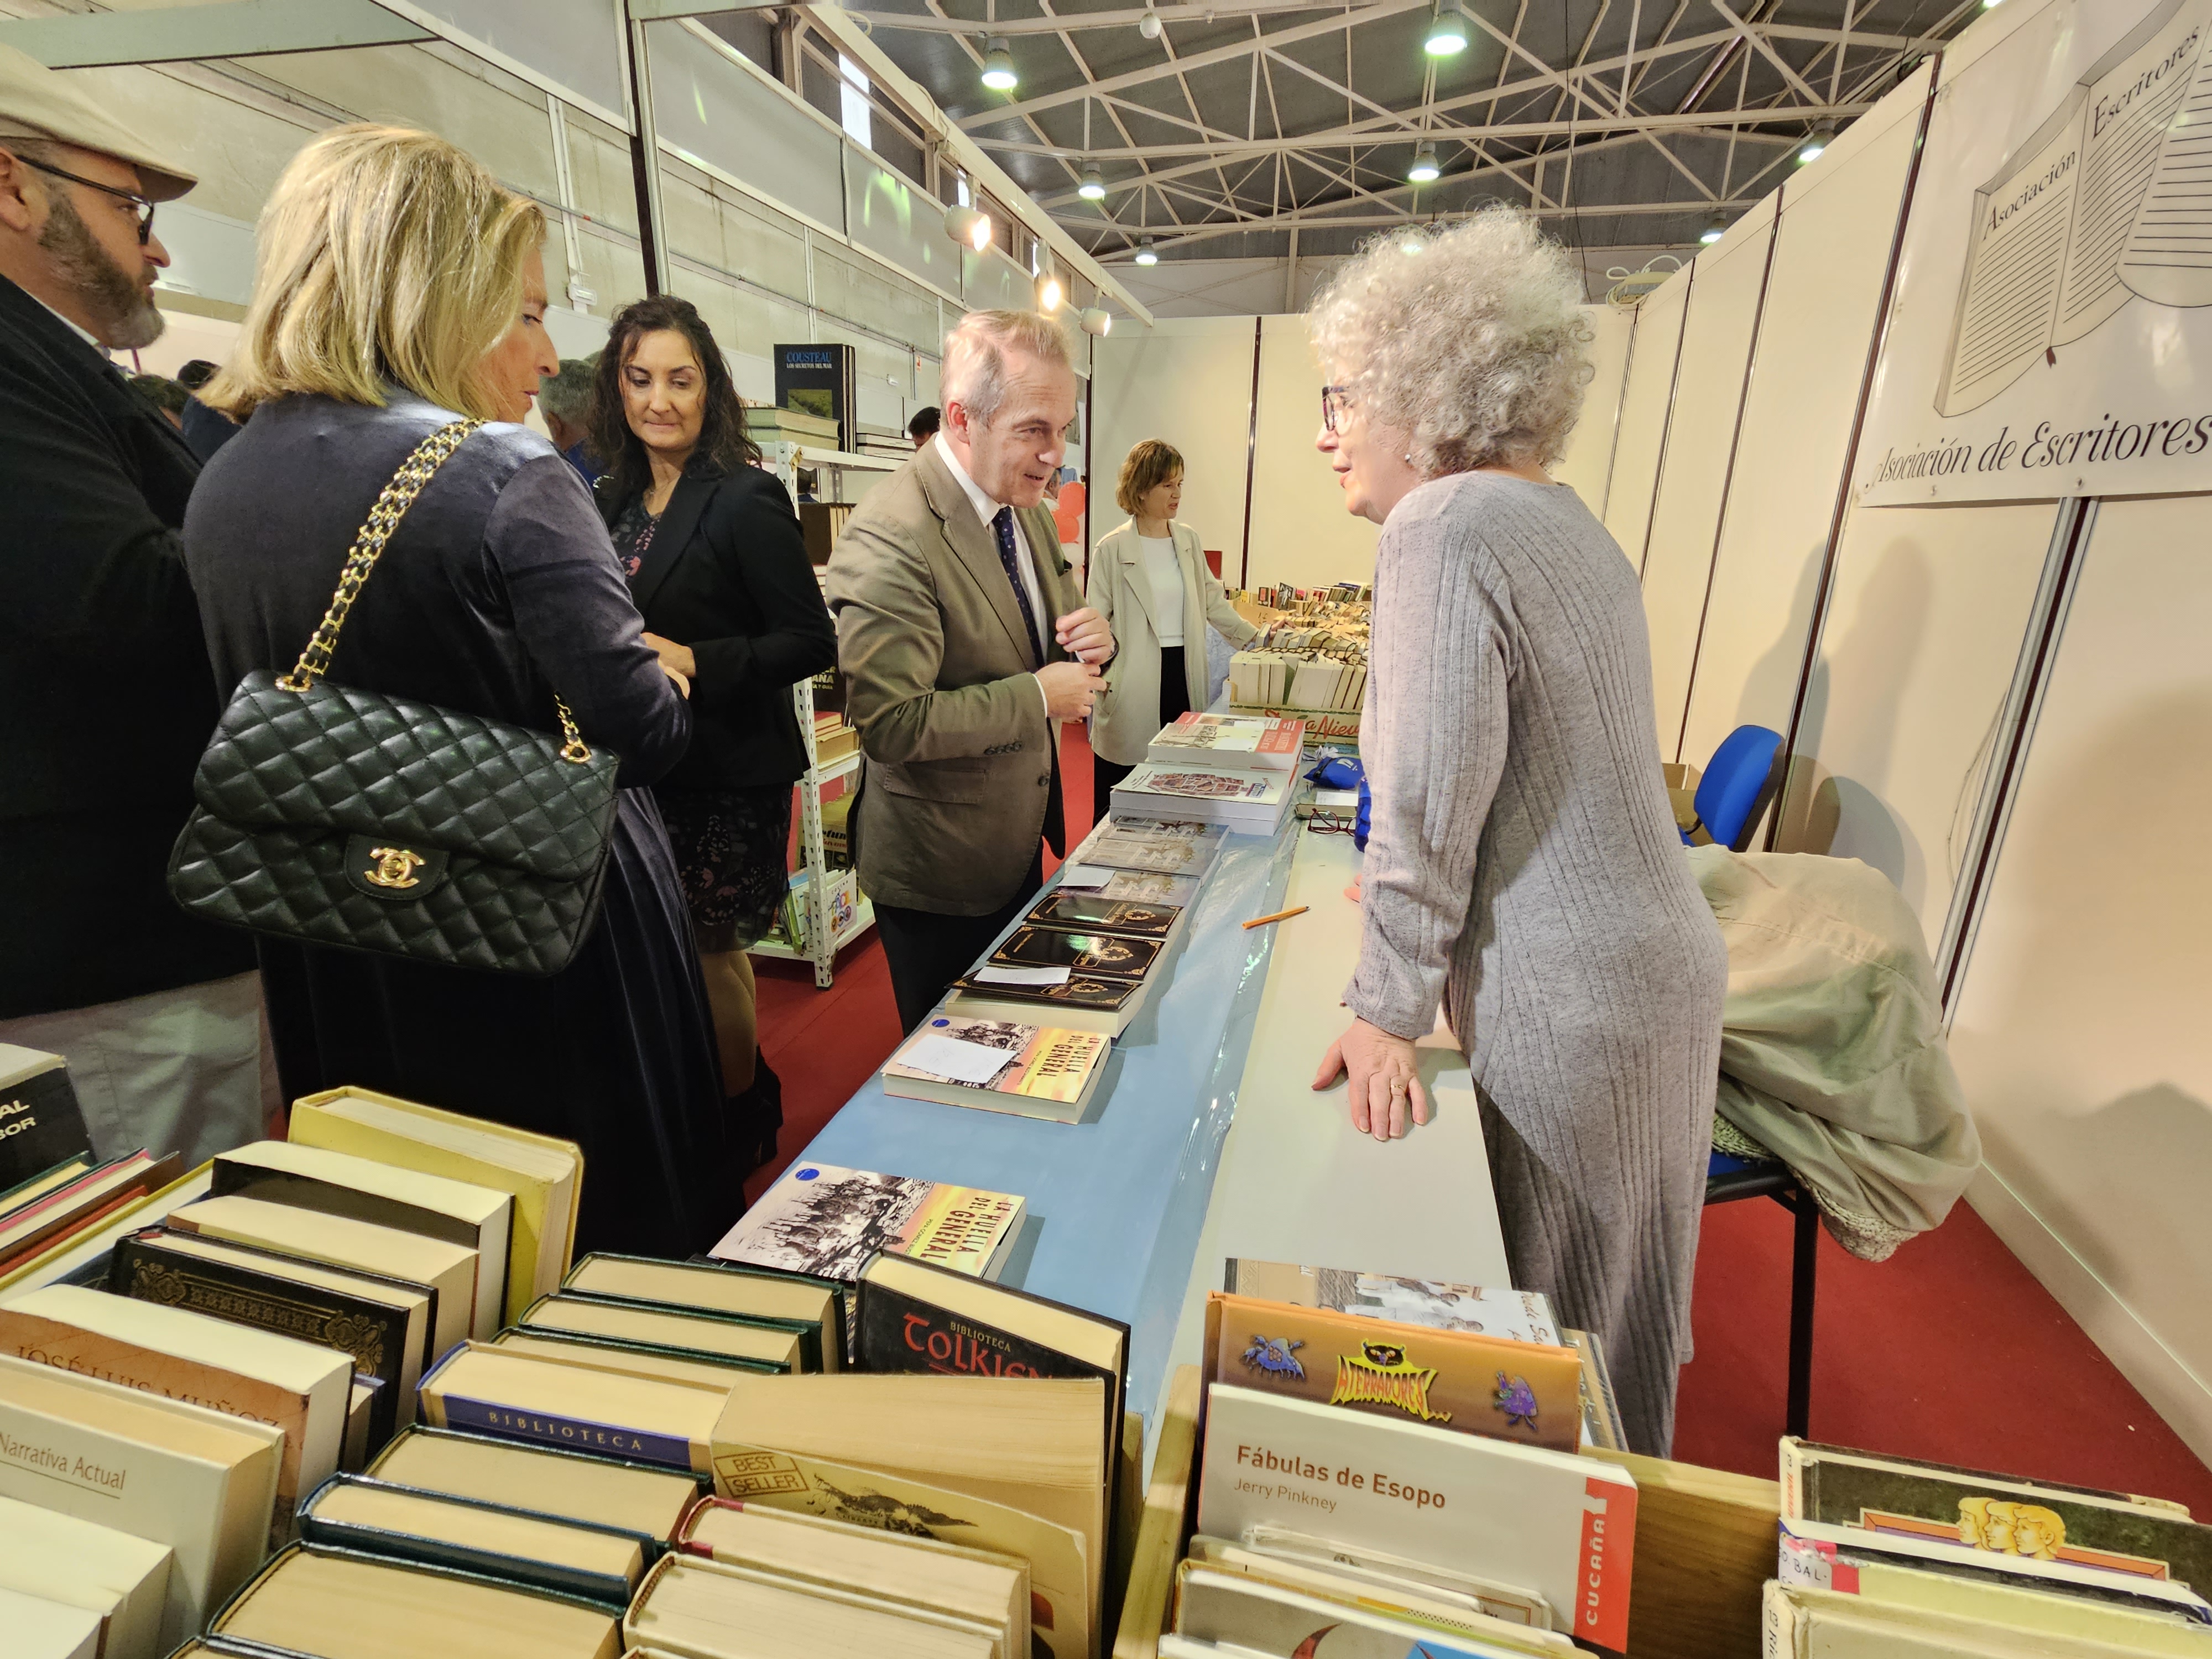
1025,559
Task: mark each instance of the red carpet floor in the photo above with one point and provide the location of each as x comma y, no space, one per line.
1950,1350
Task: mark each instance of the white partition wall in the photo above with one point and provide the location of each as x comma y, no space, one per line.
1300,532
2080,1027
1832,256
1924,630
1646,398
1586,467
1686,510
1187,381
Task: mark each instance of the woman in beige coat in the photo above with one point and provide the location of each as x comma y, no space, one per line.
1150,580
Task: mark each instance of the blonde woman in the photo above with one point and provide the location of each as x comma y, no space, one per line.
397,286
1150,580
1522,868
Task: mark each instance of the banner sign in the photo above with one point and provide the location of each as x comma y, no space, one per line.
2052,334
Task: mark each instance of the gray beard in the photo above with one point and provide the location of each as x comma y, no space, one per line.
123,315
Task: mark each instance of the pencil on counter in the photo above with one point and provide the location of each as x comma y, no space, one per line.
1280,915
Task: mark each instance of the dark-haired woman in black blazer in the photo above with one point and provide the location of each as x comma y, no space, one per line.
718,566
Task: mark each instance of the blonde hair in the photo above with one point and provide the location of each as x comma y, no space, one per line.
383,255
974,373
1149,463
1470,340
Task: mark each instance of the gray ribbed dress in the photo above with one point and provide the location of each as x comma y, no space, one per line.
1523,864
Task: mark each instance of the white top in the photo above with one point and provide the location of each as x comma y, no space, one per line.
1166,572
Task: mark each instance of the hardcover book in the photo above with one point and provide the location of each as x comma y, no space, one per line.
122,1579
1158,846
1081,912
200,1482
1247,742
554,1553
1810,1624
637,1498
301,1388
545,1174
909,1507
1252,1615
819,380
906,1569
449,1270
1993,1515
825,1222
1471,1384
382,1324
62,1213
1040,1070
84,1250
40,1123
478,1219
701,1608
602,1353
1287,1546
404,1609
1105,955
764,1345
510,1396
721,1288
1518,1316
39,1628
1559,1525
1078,1003
1330,1574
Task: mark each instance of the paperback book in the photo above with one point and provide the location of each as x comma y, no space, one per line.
1251,802
40,1124
1082,913
824,1221
1106,955
1133,841
1078,1003
1101,881
1518,1316
1001,1066
1251,743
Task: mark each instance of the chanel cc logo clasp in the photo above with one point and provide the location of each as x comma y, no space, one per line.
395,866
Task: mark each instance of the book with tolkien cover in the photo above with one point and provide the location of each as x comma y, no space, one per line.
826,1221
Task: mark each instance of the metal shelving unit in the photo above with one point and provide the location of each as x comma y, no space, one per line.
822,942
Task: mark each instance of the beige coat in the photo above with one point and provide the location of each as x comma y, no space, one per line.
939,682
1126,716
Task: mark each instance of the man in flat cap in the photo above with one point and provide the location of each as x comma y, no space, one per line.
105,696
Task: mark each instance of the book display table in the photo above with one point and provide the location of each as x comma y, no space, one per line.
1131,1210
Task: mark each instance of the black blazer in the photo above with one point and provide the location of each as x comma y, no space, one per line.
727,574
104,681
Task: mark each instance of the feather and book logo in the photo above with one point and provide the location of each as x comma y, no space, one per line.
1383,1375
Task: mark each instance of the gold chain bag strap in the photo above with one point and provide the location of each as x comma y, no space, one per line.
330,815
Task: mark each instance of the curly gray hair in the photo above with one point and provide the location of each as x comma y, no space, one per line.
1475,345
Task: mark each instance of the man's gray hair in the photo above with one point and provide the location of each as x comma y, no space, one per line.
568,394
974,371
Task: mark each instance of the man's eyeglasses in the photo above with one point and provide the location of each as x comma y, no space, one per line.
1335,400
141,205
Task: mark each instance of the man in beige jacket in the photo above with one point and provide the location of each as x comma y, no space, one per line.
964,643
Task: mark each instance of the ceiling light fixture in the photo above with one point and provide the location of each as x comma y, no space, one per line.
1049,292
1716,227
1447,31
999,73
969,226
1150,26
1424,166
1097,320
1823,133
1146,253
1093,188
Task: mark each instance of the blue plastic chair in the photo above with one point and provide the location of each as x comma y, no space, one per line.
1738,785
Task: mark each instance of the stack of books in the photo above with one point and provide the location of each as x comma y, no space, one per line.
1176,848
1239,771
833,739
791,426
1310,653
1886,1555
1385,1465
1078,960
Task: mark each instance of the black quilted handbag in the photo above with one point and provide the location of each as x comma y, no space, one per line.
332,816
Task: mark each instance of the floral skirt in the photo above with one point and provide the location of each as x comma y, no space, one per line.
731,848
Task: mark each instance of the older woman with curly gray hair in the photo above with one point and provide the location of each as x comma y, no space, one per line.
1522,868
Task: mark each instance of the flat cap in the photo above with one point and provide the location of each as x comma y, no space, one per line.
37,102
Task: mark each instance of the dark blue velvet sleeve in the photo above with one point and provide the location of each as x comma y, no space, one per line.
574,614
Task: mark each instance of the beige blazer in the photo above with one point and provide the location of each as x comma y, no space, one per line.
1126,716
939,677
